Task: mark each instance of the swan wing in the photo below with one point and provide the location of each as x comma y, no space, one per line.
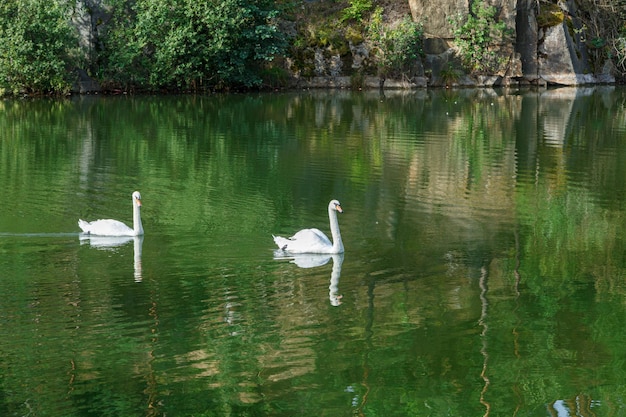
305,241
105,227
313,236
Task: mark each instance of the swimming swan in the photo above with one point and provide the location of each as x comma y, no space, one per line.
313,240
109,227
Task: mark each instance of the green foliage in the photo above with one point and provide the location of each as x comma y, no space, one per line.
190,44
327,36
357,80
449,75
356,10
37,46
397,49
475,38
274,77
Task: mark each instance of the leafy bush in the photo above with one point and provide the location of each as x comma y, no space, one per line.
396,49
38,46
190,44
449,75
356,10
476,36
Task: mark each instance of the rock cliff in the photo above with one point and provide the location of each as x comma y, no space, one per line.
545,44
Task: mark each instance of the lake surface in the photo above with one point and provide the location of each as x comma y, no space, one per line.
484,271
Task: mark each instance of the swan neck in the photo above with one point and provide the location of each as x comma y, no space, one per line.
334,231
137,226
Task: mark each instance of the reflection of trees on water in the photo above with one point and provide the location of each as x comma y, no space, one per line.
470,180
466,189
477,189
145,366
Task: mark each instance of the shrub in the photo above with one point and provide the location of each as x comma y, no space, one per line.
38,46
475,38
449,75
356,10
396,49
190,44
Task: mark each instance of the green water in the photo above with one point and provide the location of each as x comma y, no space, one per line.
484,271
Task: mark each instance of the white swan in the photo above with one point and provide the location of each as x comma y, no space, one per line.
109,227
313,240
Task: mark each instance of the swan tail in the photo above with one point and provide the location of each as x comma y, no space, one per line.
84,225
281,242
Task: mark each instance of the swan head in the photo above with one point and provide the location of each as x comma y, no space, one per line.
137,198
335,205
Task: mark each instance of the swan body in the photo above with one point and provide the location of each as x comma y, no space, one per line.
314,240
110,227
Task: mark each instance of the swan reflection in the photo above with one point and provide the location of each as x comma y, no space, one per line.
333,289
310,260
112,242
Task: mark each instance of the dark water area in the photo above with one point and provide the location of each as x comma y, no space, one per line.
484,270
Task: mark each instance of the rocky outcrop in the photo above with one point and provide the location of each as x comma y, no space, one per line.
527,40
562,53
88,18
546,52
550,54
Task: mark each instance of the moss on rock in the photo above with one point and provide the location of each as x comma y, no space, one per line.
549,15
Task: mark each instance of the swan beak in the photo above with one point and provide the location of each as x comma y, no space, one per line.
339,209
138,200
